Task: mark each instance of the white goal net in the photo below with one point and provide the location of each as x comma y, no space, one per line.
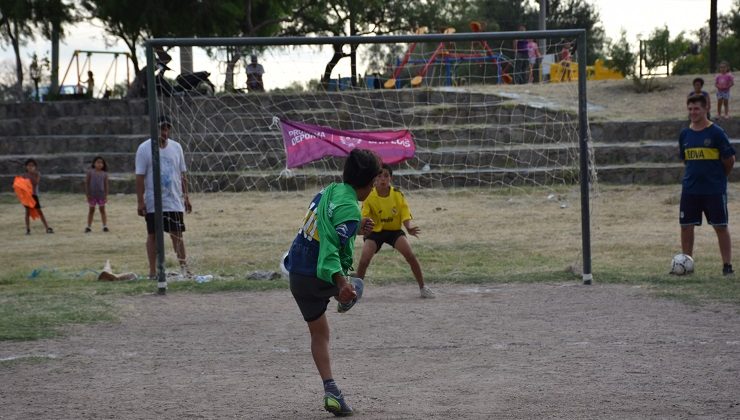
486,117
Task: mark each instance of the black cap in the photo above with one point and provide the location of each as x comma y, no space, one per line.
163,120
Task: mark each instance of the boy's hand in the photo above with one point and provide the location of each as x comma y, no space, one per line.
366,226
346,290
188,206
414,231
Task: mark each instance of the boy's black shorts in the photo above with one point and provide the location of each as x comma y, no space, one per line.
312,295
172,222
385,237
713,206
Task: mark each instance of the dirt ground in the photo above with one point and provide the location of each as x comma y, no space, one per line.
490,351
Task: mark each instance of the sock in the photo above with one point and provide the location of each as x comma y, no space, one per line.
331,386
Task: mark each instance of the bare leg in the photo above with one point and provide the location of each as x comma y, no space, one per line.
43,219
103,216
28,219
151,253
320,335
179,244
725,243
404,247
90,214
369,248
687,240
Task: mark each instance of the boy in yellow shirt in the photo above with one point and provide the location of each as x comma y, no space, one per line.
388,209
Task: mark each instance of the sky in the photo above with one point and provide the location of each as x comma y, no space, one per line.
637,17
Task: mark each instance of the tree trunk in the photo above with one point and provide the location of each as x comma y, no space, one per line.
54,58
338,55
14,35
232,57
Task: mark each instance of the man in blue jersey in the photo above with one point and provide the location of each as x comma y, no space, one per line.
708,158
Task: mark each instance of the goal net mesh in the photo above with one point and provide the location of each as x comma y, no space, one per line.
486,118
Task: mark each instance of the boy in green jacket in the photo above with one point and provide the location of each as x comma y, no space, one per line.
321,256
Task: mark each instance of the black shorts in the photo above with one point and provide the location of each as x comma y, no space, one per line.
714,206
385,237
38,203
172,222
312,295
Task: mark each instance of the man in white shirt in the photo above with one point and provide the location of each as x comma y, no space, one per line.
254,75
175,199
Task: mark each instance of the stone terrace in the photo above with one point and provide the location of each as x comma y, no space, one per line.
454,131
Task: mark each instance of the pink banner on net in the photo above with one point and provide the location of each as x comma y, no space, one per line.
305,143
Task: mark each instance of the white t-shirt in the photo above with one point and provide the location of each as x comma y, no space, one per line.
172,166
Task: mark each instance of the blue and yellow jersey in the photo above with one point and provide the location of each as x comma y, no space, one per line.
389,212
703,151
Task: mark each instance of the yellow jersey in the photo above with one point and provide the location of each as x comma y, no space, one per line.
389,212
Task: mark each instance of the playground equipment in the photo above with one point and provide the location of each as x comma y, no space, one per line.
104,87
599,71
447,55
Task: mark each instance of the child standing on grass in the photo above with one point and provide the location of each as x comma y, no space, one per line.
33,175
387,208
723,82
321,256
96,190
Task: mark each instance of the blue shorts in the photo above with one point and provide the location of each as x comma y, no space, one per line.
714,206
723,94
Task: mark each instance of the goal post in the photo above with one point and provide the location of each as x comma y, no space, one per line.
446,88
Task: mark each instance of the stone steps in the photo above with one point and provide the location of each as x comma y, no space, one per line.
451,158
454,132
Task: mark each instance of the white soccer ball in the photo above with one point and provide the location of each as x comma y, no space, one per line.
682,264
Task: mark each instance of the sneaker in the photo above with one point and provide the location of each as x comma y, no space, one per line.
105,229
49,230
427,293
88,230
185,273
727,270
28,231
336,405
359,288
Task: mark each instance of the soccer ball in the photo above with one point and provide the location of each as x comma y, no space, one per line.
682,264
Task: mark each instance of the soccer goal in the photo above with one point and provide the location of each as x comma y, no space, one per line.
471,122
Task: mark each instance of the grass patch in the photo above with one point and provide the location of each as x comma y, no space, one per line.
469,235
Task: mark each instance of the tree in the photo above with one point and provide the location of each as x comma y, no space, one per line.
620,56
349,18
133,21
16,19
50,17
577,14
507,15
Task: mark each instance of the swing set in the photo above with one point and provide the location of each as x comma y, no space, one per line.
109,81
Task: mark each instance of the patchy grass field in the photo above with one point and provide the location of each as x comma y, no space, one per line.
468,236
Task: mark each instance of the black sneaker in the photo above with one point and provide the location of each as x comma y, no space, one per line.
105,229
28,231
88,230
49,230
727,270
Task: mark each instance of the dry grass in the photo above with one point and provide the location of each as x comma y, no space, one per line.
615,100
466,235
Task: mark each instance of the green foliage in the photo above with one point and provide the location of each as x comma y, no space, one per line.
508,15
621,57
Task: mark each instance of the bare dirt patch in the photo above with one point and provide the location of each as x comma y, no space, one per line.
486,351
615,100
